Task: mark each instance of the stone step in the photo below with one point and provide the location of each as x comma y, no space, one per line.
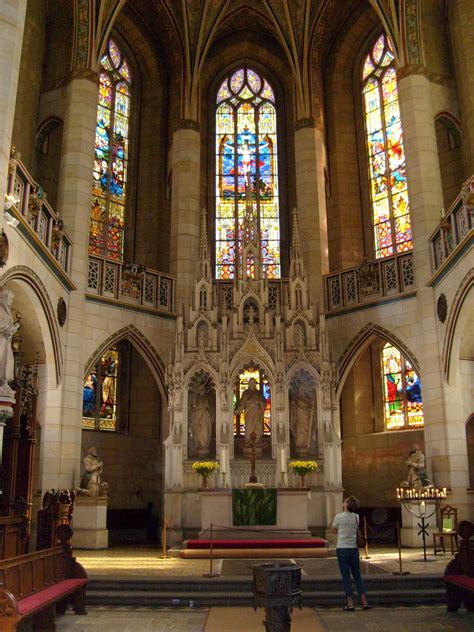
320,592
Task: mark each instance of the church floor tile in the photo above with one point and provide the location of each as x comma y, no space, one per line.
141,561
415,619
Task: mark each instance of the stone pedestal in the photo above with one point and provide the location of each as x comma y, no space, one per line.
409,531
292,516
90,523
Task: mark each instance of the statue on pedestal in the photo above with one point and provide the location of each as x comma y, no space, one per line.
7,328
302,408
91,483
417,476
201,422
253,404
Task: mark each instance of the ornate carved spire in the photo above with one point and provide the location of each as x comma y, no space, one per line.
250,267
204,268
296,259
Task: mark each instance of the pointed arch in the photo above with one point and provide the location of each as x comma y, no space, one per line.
359,344
142,344
201,366
251,349
25,275
459,298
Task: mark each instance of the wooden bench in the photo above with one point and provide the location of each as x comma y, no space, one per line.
459,573
38,585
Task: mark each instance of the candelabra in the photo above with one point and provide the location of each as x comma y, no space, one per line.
415,499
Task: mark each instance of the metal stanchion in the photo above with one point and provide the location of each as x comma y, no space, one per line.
366,556
164,539
400,571
211,573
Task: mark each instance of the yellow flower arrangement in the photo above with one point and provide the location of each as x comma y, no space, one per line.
204,468
302,468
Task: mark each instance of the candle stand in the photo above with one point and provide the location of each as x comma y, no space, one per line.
422,503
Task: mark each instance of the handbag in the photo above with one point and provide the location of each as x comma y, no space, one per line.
361,541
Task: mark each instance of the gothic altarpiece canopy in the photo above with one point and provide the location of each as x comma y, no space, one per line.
249,342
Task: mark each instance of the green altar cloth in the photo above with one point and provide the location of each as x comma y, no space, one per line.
254,507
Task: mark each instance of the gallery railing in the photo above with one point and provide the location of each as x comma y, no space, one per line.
370,281
455,228
26,203
130,283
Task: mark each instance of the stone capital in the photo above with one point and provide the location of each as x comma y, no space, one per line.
189,124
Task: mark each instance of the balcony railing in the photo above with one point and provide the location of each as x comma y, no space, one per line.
455,227
370,281
130,283
30,207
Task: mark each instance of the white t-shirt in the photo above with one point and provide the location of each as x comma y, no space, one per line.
346,524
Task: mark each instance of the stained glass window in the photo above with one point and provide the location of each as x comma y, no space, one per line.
246,171
241,386
402,391
100,393
386,154
109,177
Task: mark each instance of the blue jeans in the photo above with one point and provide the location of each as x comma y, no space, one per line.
348,560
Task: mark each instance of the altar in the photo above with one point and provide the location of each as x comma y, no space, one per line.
291,516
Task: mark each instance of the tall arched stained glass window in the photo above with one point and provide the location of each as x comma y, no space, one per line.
111,155
403,404
246,171
387,173
99,399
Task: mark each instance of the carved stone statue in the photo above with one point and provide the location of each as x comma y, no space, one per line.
417,476
7,328
201,422
91,483
253,403
302,410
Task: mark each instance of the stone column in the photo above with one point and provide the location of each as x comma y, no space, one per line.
185,213
461,21
62,433
426,202
311,202
12,22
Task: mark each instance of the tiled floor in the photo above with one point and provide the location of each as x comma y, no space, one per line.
147,562
422,619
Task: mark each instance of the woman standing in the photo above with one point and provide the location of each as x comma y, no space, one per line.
345,524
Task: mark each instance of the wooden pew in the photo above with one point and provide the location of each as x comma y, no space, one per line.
459,573
38,585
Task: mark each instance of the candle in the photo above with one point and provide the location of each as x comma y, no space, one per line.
422,508
283,460
223,465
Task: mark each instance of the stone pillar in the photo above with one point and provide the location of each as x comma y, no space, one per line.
311,202
461,21
12,22
185,212
426,202
62,433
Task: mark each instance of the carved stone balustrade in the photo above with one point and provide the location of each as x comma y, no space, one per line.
369,282
130,283
455,230
38,222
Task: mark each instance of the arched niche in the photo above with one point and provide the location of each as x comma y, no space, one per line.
449,144
303,414
201,416
470,449
246,372
379,408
